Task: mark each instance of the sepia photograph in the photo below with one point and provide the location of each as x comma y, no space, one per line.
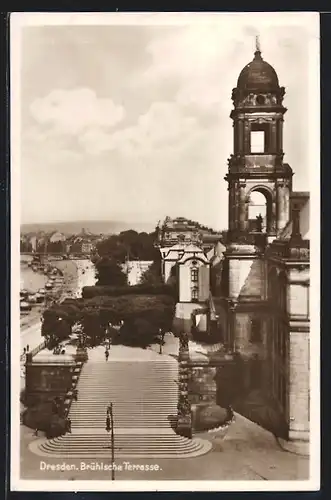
165,328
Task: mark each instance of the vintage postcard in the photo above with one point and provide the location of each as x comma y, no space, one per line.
165,274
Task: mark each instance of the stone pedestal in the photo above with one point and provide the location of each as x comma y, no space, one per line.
81,354
184,426
184,416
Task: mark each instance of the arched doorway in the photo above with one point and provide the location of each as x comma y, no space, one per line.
259,211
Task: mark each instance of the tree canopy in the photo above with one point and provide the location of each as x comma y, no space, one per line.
129,244
109,272
142,317
152,275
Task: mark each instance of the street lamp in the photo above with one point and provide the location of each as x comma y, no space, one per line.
161,339
110,428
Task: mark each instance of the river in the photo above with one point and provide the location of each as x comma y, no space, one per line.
76,274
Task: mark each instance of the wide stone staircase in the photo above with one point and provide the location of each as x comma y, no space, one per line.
144,394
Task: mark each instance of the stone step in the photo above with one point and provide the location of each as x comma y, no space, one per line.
128,403
133,413
138,410
119,410
121,422
140,445
134,388
135,368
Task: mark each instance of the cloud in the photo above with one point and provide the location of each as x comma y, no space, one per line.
72,111
204,60
163,127
166,152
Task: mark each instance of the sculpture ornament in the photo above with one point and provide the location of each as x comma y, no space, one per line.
184,416
259,223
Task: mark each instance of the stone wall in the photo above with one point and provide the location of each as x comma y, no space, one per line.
45,381
183,316
202,384
299,385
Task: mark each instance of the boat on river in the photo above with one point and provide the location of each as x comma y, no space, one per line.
39,297
25,306
31,299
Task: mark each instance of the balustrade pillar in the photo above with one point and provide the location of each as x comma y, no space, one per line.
240,141
242,207
231,208
283,205
273,142
184,415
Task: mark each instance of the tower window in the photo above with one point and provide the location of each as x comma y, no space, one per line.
260,138
260,99
257,141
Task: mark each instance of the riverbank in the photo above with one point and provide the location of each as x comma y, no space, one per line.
34,280
76,275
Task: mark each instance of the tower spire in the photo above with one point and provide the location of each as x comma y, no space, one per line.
257,43
257,46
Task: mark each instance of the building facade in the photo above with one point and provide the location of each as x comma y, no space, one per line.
264,307
135,269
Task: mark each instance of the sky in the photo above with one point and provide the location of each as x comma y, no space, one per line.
130,121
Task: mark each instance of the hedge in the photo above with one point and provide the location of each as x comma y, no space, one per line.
89,292
158,308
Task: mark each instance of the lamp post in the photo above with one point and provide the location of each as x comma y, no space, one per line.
161,338
110,428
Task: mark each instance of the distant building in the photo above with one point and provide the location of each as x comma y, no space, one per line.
87,247
185,231
189,251
57,236
81,243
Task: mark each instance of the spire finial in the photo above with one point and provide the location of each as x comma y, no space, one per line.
257,43
257,53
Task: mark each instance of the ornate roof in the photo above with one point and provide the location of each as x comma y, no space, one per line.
258,75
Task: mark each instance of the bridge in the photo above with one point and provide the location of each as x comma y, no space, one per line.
60,255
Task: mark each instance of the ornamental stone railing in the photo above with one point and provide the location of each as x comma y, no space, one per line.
184,414
254,239
292,249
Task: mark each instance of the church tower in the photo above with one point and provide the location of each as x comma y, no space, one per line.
256,165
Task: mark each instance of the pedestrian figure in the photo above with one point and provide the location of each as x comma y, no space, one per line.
36,432
75,394
27,348
69,425
107,354
24,351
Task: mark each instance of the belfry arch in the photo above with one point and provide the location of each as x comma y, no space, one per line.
260,216
256,164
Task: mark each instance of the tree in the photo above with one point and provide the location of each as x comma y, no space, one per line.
92,327
56,246
55,326
109,272
136,332
152,275
158,309
129,244
25,246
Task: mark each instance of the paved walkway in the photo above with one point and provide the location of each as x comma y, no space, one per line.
247,453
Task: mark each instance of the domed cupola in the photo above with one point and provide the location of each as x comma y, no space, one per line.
258,85
258,75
